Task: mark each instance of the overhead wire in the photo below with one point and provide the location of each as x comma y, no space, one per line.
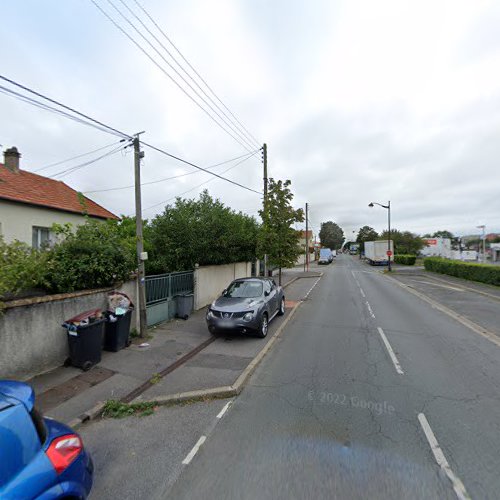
74,157
232,124
70,170
198,185
53,101
168,178
194,70
201,168
97,124
162,69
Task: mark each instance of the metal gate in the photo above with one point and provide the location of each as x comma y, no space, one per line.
161,290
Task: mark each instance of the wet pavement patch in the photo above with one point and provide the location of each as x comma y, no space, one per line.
72,387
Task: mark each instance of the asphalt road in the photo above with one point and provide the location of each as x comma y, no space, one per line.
369,393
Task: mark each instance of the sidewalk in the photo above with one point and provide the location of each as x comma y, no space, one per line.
67,393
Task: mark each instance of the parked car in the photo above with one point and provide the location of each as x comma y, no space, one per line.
39,457
325,256
247,305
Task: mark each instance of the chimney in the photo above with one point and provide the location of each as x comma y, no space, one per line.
11,159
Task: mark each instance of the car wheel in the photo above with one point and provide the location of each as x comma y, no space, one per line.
264,325
282,307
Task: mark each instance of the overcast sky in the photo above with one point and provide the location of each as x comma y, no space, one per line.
358,101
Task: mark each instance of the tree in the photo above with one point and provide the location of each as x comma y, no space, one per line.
405,242
366,233
202,231
443,234
331,235
277,238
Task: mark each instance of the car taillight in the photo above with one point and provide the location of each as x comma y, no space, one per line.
63,450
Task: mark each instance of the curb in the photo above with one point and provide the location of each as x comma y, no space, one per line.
204,394
225,391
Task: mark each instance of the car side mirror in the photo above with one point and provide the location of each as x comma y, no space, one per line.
224,291
266,293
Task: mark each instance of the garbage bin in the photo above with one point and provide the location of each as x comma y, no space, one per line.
85,334
184,305
117,330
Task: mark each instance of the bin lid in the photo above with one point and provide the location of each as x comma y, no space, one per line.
95,313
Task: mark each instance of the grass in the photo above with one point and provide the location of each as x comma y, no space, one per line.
117,409
155,378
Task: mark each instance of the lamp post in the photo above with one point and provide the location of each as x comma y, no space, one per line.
388,207
483,227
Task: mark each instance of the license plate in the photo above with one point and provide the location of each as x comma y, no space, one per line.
226,324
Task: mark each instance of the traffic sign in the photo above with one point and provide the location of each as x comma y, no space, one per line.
389,253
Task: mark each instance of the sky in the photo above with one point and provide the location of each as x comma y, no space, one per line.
358,101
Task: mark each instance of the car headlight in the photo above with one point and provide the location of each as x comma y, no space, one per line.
210,314
248,316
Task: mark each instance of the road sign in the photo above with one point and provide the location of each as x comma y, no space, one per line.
389,253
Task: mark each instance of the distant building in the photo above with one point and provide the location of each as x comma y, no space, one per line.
30,204
306,241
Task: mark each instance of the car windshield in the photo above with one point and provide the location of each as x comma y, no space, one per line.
244,289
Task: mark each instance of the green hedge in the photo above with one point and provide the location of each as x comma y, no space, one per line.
484,273
407,260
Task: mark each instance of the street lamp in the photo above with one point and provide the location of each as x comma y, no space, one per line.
483,227
388,207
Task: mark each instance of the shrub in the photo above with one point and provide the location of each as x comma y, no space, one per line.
21,268
407,260
484,273
94,256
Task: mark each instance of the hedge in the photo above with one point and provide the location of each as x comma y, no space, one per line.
407,260
484,273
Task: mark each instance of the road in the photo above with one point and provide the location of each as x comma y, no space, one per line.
369,393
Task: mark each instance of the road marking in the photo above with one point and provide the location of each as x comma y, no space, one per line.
370,310
362,292
226,407
391,352
194,451
311,289
442,286
458,486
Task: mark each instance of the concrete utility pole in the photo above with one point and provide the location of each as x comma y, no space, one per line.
307,238
483,227
141,257
264,159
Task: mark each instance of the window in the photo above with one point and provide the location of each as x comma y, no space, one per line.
40,237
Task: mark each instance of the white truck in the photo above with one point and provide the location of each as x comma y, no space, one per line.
376,252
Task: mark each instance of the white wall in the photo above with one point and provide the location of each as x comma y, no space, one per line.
210,281
17,220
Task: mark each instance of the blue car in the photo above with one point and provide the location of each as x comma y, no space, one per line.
39,458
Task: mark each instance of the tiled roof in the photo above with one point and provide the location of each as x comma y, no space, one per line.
26,187
309,234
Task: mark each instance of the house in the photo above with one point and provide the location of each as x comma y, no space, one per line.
306,239
30,204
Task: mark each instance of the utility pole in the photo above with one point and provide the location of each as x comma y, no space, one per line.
264,158
307,238
141,257
389,237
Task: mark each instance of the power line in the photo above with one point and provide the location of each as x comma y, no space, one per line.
74,157
53,101
194,70
70,170
104,126
46,107
197,186
234,126
168,178
138,45
201,168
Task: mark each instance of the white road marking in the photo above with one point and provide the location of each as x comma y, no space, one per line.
442,286
362,292
311,289
458,486
226,407
194,451
391,352
370,310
